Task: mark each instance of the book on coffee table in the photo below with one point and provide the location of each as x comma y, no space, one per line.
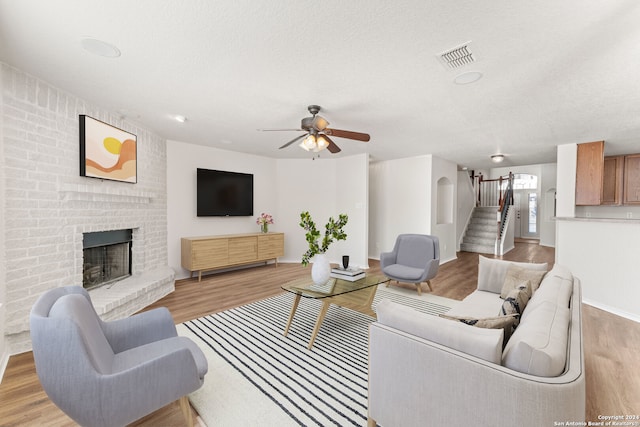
349,274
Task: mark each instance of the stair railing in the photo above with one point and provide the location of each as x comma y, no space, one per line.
506,200
492,192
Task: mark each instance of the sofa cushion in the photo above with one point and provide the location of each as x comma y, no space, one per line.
556,288
539,345
516,275
491,272
482,343
404,271
478,304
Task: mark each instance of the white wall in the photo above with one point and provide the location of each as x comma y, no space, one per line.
325,188
566,180
352,197
447,172
403,198
282,187
306,185
604,255
182,161
399,201
4,349
547,205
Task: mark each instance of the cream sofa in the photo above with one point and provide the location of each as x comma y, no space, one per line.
430,371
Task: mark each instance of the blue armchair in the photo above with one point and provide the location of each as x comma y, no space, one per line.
111,373
415,259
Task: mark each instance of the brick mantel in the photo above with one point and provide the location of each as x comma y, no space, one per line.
92,193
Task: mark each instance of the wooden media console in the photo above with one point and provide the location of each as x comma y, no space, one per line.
215,252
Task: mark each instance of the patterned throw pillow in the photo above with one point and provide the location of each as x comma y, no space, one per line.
488,322
516,300
516,275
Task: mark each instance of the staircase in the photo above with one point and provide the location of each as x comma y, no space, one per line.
482,231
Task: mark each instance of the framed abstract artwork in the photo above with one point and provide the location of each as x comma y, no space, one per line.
107,152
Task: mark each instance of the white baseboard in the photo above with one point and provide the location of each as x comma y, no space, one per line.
612,310
448,260
4,360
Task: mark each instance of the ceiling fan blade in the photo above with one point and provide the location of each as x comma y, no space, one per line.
297,138
279,130
364,137
332,147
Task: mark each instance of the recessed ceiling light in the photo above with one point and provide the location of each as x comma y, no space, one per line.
497,158
126,114
468,77
180,119
99,47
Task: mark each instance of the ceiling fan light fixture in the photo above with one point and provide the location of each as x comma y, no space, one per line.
309,143
321,144
497,158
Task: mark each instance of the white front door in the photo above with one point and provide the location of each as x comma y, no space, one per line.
526,205
517,227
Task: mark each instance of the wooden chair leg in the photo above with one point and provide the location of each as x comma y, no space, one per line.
419,288
429,285
371,422
186,410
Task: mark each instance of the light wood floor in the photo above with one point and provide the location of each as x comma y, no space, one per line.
611,343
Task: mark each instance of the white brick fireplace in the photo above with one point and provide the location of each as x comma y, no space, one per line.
48,206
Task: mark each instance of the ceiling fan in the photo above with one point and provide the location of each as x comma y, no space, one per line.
316,136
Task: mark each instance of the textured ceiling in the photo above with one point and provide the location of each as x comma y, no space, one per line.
554,72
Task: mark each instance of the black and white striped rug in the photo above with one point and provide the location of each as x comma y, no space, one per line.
259,377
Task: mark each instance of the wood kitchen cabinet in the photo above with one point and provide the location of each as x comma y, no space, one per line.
612,181
212,252
589,173
632,179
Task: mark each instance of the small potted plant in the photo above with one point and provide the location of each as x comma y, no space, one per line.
321,269
264,220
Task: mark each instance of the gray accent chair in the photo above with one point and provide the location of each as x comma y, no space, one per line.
415,258
111,373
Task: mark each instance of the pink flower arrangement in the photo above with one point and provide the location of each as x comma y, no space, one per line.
264,219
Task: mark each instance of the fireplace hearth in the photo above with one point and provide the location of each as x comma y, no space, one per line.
106,257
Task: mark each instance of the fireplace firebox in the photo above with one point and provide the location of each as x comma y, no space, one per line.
106,257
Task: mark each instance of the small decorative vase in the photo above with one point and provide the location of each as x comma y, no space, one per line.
345,261
321,269
264,227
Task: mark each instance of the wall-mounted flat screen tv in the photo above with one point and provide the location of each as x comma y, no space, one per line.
222,193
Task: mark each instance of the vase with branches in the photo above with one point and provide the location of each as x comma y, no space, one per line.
333,231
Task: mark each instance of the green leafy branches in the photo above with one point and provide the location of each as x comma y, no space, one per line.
333,231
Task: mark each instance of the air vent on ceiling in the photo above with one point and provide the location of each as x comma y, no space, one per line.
457,57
